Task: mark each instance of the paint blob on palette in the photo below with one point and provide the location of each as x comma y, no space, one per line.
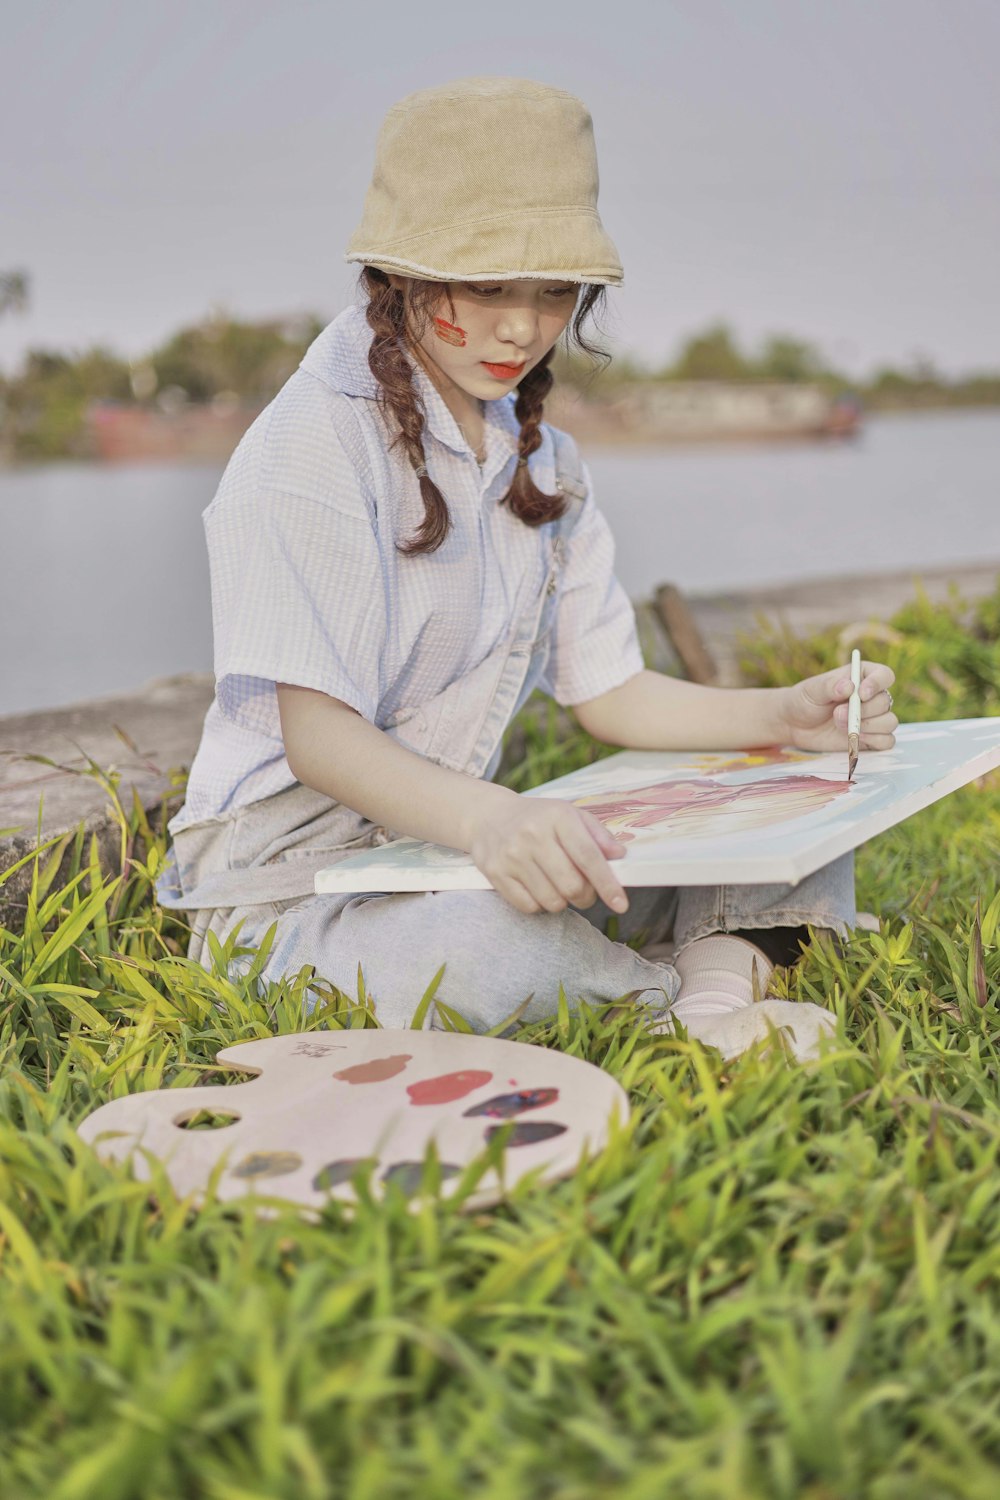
324,1107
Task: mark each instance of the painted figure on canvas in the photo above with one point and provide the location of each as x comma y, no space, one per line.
704,808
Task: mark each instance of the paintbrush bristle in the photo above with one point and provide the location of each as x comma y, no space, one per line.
852,755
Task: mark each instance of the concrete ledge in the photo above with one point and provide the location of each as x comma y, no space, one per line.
162,721
824,603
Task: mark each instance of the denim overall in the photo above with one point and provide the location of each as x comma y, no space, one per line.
256,865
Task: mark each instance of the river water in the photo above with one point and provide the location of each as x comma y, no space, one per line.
104,580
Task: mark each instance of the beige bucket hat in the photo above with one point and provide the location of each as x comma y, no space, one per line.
486,179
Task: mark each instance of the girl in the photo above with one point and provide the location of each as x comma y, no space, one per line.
401,551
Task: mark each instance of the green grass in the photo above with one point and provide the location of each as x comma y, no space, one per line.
779,1282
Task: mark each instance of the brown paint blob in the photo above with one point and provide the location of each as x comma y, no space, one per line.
268,1164
447,1086
375,1071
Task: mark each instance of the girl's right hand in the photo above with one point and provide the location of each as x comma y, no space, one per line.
542,855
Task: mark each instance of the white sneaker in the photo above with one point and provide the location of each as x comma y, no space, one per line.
801,1025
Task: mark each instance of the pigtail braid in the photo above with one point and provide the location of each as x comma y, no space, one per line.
530,504
387,314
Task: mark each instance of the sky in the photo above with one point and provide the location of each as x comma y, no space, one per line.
827,168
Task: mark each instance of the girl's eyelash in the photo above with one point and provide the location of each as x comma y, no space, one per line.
495,291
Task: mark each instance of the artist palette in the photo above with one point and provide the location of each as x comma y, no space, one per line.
325,1104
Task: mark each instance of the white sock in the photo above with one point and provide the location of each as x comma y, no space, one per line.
717,976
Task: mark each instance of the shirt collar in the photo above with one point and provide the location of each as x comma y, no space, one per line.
339,357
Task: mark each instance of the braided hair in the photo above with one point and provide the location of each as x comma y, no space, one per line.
395,316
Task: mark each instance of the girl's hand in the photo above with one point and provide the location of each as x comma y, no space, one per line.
542,855
813,713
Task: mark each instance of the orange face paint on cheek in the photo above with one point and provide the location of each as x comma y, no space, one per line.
449,334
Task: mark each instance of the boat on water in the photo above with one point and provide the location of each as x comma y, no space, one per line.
708,411
204,433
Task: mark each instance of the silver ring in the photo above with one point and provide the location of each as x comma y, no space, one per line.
889,696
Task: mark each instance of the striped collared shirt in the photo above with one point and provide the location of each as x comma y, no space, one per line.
309,586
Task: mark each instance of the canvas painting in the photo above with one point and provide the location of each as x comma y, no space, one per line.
706,819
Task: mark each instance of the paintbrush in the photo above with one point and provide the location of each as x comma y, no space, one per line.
854,715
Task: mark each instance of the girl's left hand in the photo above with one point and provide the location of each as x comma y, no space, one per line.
813,713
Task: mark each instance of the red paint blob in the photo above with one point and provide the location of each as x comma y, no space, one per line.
450,333
447,1086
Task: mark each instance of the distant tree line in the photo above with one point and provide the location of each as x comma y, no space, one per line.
715,354
43,407
222,360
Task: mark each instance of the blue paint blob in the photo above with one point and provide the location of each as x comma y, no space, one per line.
268,1164
408,1175
336,1172
504,1106
527,1132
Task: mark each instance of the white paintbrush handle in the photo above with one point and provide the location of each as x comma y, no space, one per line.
854,702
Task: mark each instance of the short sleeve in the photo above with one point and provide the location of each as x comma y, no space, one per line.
297,596
595,644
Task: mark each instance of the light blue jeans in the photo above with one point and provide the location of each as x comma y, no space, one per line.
496,956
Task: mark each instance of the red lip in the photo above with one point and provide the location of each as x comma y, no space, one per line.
504,372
